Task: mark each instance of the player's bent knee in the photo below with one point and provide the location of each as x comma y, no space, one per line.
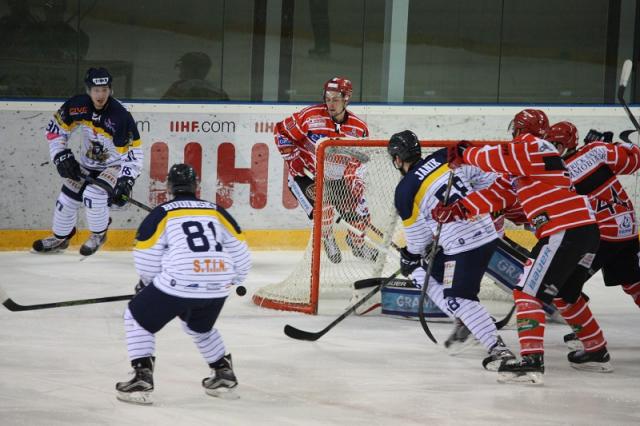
95,197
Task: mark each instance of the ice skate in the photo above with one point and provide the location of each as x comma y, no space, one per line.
138,389
52,244
331,249
597,361
95,241
222,380
498,353
362,251
460,339
530,370
572,341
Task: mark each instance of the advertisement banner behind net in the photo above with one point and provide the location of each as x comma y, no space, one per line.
232,149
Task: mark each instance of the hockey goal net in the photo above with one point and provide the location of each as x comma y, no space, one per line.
354,212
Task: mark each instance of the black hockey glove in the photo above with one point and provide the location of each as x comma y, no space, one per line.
408,261
67,165
596,136
122,191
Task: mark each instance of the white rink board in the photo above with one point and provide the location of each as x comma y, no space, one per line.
31,184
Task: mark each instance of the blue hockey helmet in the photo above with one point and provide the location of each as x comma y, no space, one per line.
96,77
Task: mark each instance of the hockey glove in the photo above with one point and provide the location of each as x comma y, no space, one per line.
450,213
122,191
595,135
67,165
455,153
408,261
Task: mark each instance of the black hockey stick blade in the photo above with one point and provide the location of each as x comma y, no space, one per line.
296,333
504,321
625,135
16,307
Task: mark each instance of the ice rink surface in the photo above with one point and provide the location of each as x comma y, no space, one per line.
59,366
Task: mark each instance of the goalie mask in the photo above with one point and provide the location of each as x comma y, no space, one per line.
182,179
340,85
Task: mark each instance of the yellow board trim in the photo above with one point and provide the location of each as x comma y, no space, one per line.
424,186
257,239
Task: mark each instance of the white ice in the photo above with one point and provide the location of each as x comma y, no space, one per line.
59,366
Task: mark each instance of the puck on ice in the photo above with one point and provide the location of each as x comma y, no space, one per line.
241,290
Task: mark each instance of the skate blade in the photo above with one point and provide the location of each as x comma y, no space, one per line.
593,367
140,398
223,393
521,378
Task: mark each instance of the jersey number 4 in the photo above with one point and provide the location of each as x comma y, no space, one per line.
196,237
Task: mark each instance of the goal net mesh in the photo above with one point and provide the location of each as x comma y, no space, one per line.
355,228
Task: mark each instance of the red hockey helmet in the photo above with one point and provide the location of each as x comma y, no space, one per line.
533,121
564,133
340,85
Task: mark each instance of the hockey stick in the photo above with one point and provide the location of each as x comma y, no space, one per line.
110,192
16,307
296,333
430,259
624,79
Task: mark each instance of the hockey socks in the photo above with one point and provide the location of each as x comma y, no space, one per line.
209,344
531,323
581,320
140,343
633,290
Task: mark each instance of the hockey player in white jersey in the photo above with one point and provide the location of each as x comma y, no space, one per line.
189,253
111,155
466,246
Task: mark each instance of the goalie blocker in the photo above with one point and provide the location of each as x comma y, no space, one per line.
400,297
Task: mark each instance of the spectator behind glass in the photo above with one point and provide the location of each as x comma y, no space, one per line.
194,67
60,40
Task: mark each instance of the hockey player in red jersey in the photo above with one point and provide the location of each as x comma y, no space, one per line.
296,138
533,173
593,169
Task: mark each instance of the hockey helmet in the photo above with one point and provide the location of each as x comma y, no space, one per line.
340,85
533,121
563,133
97,77
404,145
182,179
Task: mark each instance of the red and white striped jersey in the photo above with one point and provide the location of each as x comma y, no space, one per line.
533,174
593,169
296,137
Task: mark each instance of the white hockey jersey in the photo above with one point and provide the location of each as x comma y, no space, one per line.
423,187
191,248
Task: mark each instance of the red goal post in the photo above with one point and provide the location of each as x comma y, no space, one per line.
316,276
